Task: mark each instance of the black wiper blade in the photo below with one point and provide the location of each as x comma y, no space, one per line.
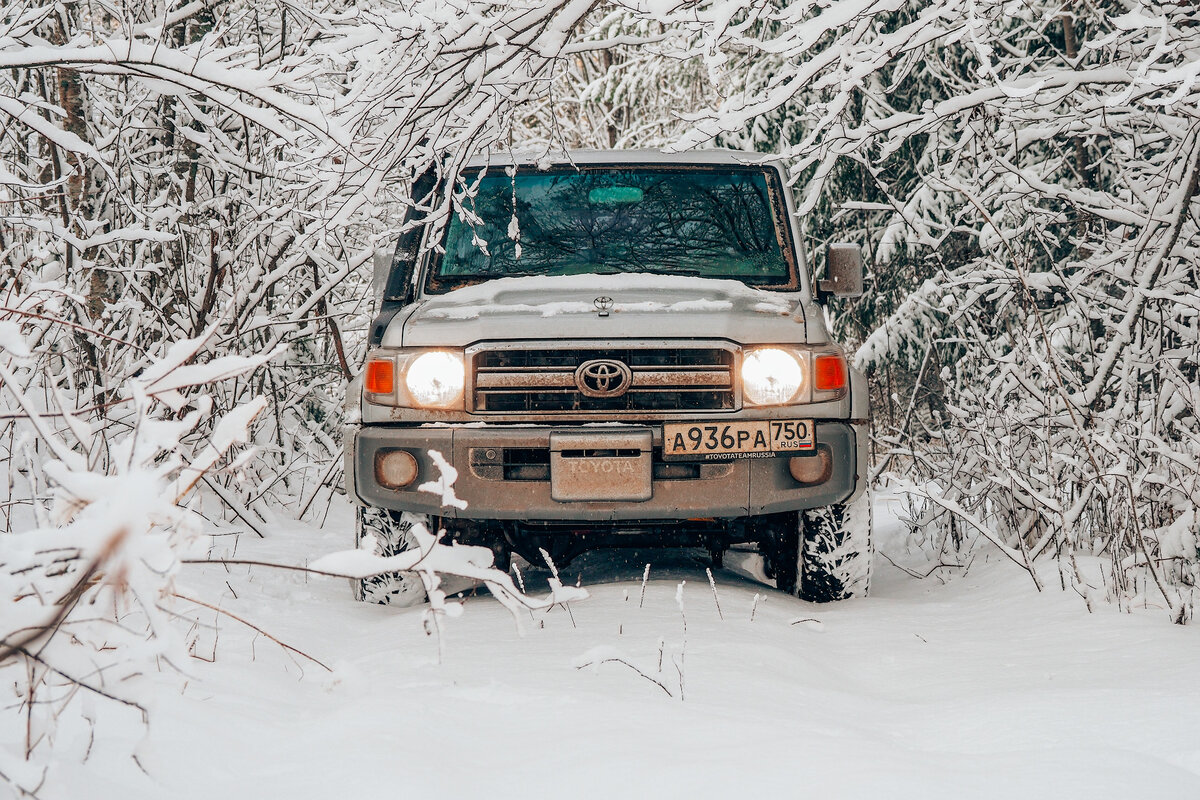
692,273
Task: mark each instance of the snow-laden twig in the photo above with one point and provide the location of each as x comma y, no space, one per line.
430,557
443,486
712,584
679,664
623,662
556,585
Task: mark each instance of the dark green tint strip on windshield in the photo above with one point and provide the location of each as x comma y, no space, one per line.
707,221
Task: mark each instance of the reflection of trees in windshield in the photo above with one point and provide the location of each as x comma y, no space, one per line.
716,222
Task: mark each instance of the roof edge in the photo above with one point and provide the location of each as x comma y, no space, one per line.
636,156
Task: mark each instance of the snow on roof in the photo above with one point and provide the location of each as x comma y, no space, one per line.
544,159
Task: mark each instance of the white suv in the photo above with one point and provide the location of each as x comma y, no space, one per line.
619,349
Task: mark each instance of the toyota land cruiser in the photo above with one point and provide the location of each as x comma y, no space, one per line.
618,349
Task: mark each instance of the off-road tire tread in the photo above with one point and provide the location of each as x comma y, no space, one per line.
837,550
391,529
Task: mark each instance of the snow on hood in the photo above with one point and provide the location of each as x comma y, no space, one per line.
643,307
576,294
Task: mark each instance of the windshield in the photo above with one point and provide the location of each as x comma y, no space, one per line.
712,221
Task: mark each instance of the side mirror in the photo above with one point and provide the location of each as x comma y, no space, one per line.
844,268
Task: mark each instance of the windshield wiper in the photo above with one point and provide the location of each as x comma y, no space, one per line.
681,271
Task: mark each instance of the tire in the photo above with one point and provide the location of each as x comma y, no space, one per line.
391,531
820,555
837,551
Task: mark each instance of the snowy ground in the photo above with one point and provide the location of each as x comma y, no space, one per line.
977,687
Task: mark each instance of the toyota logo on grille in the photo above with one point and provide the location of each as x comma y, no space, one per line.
603,377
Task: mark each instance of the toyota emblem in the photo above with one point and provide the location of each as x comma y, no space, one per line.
603,377
603,305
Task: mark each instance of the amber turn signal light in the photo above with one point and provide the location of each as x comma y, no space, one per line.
381,376
829,373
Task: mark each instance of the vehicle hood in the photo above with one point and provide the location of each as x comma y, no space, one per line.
569,307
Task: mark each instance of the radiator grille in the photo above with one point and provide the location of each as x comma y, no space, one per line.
542,380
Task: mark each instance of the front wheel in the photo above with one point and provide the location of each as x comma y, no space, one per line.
837,548
823,554
391,529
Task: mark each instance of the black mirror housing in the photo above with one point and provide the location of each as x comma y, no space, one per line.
844,268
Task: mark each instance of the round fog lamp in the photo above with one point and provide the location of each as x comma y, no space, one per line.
395,469
812,469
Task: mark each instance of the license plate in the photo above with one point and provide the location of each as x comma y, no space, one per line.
716,441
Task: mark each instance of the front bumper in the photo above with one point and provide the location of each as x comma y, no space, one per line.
708,489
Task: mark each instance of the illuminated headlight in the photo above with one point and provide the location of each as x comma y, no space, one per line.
771,377
435,379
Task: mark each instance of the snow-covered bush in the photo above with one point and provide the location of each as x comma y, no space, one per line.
1023,180
190,198
165,169
1036,168
99,516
